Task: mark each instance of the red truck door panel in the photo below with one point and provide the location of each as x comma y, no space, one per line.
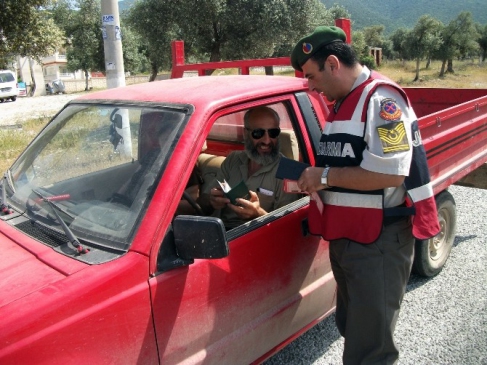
276,280
271,285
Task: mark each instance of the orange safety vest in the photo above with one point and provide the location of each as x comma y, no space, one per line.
338,213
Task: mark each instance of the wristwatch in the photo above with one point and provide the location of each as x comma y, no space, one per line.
324,176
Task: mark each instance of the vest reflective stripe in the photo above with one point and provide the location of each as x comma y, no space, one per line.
421,192
351,200
353,127
336,222
352,214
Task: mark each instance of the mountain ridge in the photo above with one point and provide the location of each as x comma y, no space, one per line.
394,14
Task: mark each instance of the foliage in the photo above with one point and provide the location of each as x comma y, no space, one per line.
27,30
133,58
398,43
339,11
368,61
224,29
155,44
458,39
423,40
482,40
373,35
359,45
86,52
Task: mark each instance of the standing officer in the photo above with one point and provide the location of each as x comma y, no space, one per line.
369,160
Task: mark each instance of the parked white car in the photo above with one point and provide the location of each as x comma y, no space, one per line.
8,86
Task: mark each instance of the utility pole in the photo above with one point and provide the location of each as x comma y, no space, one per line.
115,73
112,39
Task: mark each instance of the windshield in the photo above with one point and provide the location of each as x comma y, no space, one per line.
97,164
6,77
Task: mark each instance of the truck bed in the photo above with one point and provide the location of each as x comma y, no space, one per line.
453,124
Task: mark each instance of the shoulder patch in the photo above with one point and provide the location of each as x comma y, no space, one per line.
393,137
389,110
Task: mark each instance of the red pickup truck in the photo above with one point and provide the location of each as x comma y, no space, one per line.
96,268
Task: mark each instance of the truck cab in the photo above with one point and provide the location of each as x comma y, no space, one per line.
104,268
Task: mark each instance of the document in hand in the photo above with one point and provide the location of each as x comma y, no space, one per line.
239,191
290,171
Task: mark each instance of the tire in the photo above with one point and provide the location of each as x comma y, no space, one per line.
13,98
431,255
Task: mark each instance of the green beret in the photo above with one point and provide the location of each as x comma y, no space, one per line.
308,45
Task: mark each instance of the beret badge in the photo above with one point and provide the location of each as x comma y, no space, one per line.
307,48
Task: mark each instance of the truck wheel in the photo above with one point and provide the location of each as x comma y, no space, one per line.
431,255
13,98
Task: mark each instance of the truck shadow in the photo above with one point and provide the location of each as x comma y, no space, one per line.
461,239
316,342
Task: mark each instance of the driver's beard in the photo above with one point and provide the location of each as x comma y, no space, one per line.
263,160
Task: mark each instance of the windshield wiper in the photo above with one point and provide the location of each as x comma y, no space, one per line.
71,237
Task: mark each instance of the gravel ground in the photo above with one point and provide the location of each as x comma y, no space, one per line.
443,320
14,112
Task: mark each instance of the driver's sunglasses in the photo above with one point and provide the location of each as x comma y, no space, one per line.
259,132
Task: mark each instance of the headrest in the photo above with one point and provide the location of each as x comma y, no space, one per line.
289,144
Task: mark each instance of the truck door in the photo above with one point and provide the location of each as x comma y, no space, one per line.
275,282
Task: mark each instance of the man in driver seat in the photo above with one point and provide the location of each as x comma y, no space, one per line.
257,166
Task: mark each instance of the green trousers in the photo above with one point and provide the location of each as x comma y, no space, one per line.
371,282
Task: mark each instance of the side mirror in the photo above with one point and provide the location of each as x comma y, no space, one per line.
199,237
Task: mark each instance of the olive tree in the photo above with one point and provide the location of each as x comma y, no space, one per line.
423,39
27,29
86,42
224,30
459,38
482,40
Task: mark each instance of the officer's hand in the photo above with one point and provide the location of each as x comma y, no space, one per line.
310,179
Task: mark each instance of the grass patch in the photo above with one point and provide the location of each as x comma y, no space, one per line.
13,141
468,74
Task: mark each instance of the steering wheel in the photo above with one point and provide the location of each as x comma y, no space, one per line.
193,203
121,199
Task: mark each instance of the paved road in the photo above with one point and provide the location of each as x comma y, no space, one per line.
443,319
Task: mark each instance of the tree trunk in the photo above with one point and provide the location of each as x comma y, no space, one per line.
33,80
269,70
449,69
215,56
417,70
153,71
86,80
428,63
442,71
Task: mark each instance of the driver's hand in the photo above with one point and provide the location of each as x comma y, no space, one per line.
218,199
248,209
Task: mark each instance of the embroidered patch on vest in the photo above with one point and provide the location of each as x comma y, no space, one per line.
389,110
393,137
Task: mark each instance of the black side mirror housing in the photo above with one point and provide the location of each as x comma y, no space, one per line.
199,237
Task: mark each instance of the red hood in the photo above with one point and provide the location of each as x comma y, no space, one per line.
27,266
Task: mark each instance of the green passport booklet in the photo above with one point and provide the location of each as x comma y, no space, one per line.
238,191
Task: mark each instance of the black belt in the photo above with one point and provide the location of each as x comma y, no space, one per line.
389,220
394,214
